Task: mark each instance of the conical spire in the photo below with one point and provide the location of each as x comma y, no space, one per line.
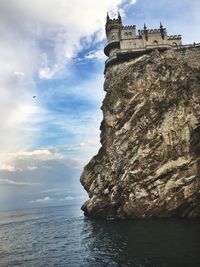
107,18
119,17
145,32
162,31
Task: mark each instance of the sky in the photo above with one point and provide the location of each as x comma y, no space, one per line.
53,50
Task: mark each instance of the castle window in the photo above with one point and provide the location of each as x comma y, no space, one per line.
113,37
126,34
155,42
174,44
130,34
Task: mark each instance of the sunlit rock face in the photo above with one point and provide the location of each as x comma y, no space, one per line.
149,162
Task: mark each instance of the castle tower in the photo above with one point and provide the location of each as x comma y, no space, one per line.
113,28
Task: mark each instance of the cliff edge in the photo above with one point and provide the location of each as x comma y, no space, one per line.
149,162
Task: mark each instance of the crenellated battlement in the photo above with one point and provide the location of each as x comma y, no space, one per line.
151,31
174,37
128,27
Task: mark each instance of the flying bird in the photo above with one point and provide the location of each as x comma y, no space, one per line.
34,96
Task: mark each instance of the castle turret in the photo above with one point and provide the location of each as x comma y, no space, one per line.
113,27
146,32
162,31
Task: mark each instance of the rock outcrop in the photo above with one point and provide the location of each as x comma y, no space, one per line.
149,162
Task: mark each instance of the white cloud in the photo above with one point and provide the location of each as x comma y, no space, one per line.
53,29
55,190
69,198
39,37
48,175
19,73
98,54
40,153
42,200
49,199
38,42
38,159
12,182
47,73
7,167
10,164
32,168
131,2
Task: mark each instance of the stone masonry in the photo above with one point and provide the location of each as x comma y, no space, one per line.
123,42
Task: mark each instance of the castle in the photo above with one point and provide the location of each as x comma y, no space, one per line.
124,43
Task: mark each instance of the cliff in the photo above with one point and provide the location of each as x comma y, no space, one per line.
149,162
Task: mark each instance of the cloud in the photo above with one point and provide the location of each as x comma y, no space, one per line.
44,169
44,173
55,190
49,199
32,168
36,160
12,182
132,2
19,73
47,73
38,41
39,153
53,29
41,200
70,198
7,167
98,54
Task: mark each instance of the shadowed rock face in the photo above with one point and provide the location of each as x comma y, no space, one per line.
149,162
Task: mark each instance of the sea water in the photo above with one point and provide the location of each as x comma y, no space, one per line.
61,236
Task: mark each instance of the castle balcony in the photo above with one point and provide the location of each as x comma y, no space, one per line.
158,46
111,45
110,59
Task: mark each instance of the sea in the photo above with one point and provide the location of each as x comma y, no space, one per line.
62,236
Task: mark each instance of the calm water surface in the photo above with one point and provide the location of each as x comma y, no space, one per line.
61,236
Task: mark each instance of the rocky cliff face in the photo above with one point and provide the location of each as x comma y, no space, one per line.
149,162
